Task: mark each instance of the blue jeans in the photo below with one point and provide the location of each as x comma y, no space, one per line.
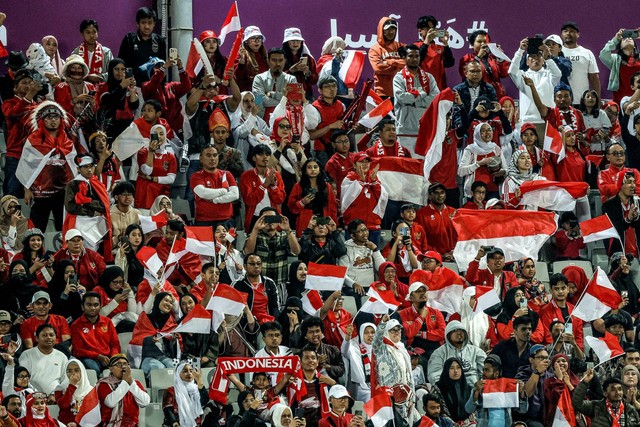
150,363
93,365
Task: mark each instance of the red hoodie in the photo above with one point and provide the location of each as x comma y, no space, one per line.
385,61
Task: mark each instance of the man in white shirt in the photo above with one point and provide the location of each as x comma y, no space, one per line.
45,364
585,71
544,78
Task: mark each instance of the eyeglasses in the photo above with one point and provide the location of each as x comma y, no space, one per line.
23,377
395,330
281,126
121,364
541,357
117,282
617,153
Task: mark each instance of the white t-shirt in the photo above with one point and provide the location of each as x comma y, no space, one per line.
583,63
47,370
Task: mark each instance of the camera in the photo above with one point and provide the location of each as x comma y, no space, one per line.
440,33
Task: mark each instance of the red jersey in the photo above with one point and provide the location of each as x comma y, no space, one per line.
130,409
485,277
438,227
91,340
206,210
253,192
550,312
571,168
15,111
163,165
338,166
413,324
59,323
608,182
329,113
445,171
305,212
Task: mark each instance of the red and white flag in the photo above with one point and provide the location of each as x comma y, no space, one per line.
231,23
433,129
520,234
373,117
486,297
552,195
598,228
198,321
379,409
564,416
149,259
233,55
194,60
402,178
553,141
3,50
200,240
500,393
89,412
445,288
325,277
606,348
152,223
226,300
427,422
379,302
598,299
311,302
350,67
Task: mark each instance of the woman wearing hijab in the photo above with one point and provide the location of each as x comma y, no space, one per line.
297,279
388,281
18,291
332,51
393,367
291,318
158,167
480,328
623,281
50,45
358,351
554,386
204,346
183,402
38,413
17,380
247,411
248,128
578,281
534,289
281,416
65,291
515,304
630,377
13,225
70,392
455,392
482,161
119,98
238,335
520,170
117,299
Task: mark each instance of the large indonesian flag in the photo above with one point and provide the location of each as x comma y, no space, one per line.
226,300
402,178
379,409
198,321
152,223
598,228
552,195
519,234
606,348
89,412
200,240
350,67
564,416
373,117
445,288
553,142
324,277
598,299
433,129
500,393
197,59
231,23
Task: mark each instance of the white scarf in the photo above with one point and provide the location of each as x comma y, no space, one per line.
82,388
187,398
399,353
479,147
476,324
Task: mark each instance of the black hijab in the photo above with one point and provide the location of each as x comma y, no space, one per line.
455,394
18,291
283,318
294,286
509,307
157,317
109,275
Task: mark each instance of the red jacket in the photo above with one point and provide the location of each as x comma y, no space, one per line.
568,248
412,323
15,111
253,191
91,340
130,408
338,166
550,312
304,213
485,277
169,95
446,170
89,267
435,62
571,168
505,331
62,95
205,209
329,113
419,237
438,227
336,420
364,204
608,182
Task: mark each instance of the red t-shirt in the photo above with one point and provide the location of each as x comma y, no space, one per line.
59,323
206,210
260,308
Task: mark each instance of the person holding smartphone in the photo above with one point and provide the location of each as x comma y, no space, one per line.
75,94
620,55
401,250
339,402
298,61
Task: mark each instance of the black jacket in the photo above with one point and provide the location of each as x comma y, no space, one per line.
613,208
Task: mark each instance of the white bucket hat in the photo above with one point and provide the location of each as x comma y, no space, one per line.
291,34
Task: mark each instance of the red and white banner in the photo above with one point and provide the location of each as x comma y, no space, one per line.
606,348
198,321
233,55
402,178
519,234
486,297
149,259
598,228
598,299
200,240
226,300
445,288
553,141
430,137
195,62
379,302
128,143
325,277
427,422
552,195
231,23
152,223
89,412
379,409
564,416
350,67
311,302
500,393
373,117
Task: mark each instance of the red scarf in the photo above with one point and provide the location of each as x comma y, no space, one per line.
42,141
295,115
97,59
616,415
381,153
409,80
573,123
366,362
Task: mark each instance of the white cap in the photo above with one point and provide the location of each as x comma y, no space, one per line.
554,38
71,233
414,287
253,31
291,34
338,391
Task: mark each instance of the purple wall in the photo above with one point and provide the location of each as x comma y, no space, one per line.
29,21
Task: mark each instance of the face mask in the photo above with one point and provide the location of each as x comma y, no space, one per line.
20,278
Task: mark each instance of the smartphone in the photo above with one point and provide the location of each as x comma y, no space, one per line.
322,220
440,33
195,363
358,413
523,303
154,137
273,219
487,249
404,231
304,60
18,208
589,365
126,291
6,339
128,73
568,328
73,279
173,54
299,413
92,93
533,47
313,191
633,34
123,240
624,294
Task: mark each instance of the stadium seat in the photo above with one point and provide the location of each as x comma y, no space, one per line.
542,272
600,260
235,407
124,338
181,207
451,266
92,376
161,379
233,395
53,240
586,266
207,374
385,237
349,304
153,415
54,410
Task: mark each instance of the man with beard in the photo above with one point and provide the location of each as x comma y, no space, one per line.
563,113
584,68
315,401
413,91
514,352
13,404
610,411
270,85
423,326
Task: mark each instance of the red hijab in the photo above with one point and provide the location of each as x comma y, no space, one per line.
400,289
578,277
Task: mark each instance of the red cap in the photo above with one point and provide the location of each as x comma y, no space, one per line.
430,254
208,34
361,156
527,126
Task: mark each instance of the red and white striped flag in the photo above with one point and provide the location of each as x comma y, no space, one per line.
200,240
402,178
231,23
379,302
152,223
433,129
500,393
598,228
226,300
606,348
350,67
233,57
564,416
149,259
325,277
486,297
520,234
445,288
373,117
598,299
553,141
89,412
427,422
194,60
198,321
379,409
3,50
311,302
552,195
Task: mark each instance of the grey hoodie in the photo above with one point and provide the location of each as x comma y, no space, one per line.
361,263
471,355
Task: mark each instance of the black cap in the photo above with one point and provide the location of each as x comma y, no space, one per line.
571,24
16,60
408,206
433,187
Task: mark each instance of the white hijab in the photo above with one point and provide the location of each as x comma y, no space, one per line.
398,351
163,147
363,327
332,44
479,147
82,388
476,324
187,398
276,414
